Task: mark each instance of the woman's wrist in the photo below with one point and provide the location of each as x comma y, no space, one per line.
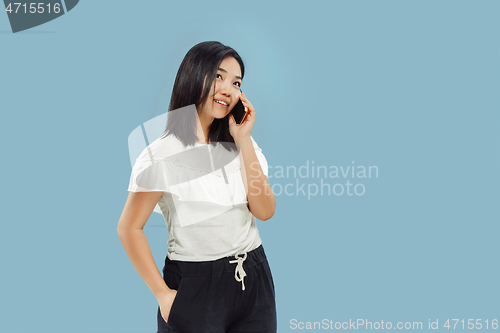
242,142
163,292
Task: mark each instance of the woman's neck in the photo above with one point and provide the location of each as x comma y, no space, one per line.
203,127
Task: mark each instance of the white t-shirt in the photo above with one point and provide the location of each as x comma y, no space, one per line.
204,202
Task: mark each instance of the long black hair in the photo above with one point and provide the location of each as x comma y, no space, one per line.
200,63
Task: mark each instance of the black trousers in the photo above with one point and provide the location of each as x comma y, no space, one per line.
228,295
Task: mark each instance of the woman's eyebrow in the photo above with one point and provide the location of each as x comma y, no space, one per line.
223,70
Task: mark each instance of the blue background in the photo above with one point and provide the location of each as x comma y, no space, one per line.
411,87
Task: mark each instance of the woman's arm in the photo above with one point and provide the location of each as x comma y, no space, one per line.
136,212
261,200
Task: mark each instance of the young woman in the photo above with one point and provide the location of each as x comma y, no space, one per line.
209,177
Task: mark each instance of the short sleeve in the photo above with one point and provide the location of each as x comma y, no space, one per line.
169,174
148,176
262,159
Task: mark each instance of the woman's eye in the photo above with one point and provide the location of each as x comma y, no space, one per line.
217,75
238,83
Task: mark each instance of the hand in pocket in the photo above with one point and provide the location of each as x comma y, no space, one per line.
165,302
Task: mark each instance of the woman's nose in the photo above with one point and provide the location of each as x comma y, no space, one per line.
225,89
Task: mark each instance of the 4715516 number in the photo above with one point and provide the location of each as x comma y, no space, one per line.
34,7
471,324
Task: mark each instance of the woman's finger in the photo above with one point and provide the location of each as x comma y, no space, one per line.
246,102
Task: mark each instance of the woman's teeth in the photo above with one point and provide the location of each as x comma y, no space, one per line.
221,103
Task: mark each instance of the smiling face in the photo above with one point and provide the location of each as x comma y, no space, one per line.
225,91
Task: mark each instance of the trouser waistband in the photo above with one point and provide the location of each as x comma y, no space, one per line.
232,263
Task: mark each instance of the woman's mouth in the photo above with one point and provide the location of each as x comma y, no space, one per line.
221,103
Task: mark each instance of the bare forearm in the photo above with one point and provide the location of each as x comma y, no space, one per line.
137,247
260,196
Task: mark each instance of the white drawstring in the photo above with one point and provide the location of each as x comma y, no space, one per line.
239,268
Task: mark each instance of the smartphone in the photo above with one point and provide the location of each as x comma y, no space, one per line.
239,112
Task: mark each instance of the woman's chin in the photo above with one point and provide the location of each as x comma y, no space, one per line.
220,115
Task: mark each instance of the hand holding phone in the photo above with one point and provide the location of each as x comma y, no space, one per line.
239,112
